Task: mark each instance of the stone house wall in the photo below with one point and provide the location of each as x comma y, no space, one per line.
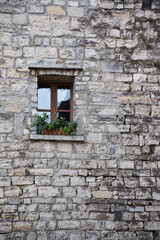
107,186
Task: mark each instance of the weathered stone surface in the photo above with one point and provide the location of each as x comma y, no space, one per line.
103,183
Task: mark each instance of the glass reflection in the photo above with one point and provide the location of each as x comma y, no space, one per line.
66,115
63,97
44,98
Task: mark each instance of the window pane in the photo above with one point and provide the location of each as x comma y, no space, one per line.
48,113
66,115
44,98
63,97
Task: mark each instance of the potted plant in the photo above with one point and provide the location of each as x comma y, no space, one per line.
41,123
59,126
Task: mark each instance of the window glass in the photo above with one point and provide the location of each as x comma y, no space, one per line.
63,97
48,113
66,115
44,98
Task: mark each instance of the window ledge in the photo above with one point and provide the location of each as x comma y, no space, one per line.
59,138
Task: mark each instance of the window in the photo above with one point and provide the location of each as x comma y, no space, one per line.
55,99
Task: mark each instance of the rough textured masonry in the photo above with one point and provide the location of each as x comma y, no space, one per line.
105,182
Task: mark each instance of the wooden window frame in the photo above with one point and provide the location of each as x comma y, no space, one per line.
54,110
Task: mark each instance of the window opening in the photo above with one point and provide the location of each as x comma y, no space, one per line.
55,99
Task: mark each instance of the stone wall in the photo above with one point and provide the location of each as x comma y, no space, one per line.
107,186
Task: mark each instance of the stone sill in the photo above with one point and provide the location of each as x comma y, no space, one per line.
60,138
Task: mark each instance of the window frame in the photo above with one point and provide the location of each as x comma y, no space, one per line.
53,110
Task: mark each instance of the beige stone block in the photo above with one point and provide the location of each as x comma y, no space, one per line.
17,172
5,37
29,51
19,18
6,127
64,147
16,104
38,171
21,226
12,191
56,10
106,4
69,224
6,62
47,52
5,227
94,137
40,25
5,18
48,192
102,194
75,11
12,51
126,164
22,180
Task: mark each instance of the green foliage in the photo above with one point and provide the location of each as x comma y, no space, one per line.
41,122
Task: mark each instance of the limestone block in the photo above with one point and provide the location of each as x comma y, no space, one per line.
22,180
56,10
119,128
75,12
102,194
12,191
1,192
142,110
91,54
18,124
68,224
12,51
137,209
141,55
77,181
115,33
139,78
152,226
29,52
5,18
36,9
5,227
42,180
112,67
67,172
69,192
61,181
130,139
5,37
64,147
126,164
37,27
30,191
104,216
46,52
16,104
38,171
20,18
68,53
94,137
6,127
110,43
46,192
21,226
156,194
5,182
106,4
131,182
84,192
147,181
